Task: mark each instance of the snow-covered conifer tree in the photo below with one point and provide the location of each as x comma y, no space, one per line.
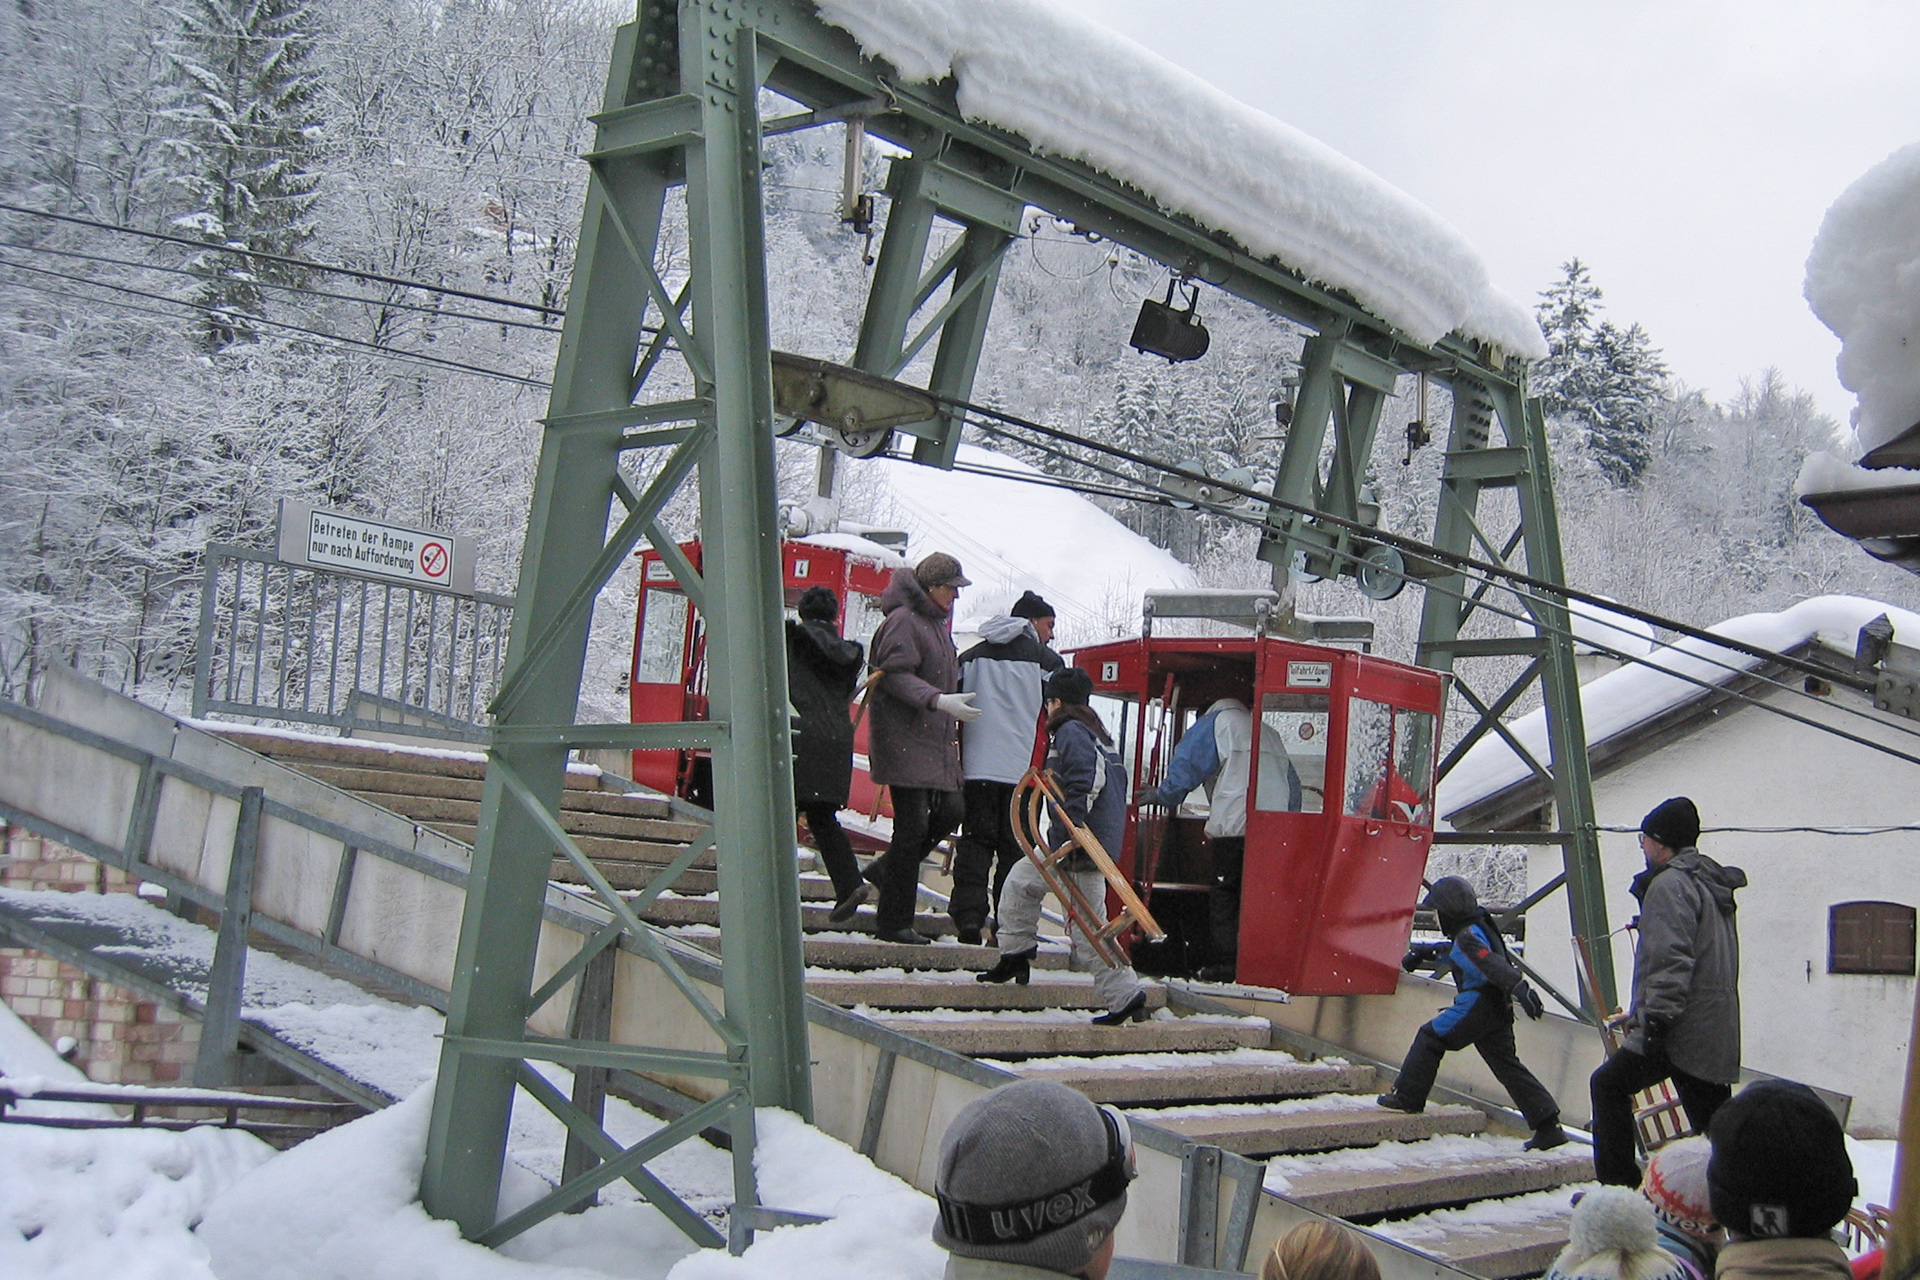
249,123
1631,382
1609,379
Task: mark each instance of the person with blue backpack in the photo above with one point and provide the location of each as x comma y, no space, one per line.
1093,782
1481,1015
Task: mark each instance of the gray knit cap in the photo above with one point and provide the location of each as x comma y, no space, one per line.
1029,1145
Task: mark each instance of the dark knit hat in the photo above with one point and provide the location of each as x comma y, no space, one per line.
1072,685
1034,1174
940,570
1674,823
817,604
1030,605
1780,1164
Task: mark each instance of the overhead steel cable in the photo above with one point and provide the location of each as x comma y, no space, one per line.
1647,661
1427,551
1172,497
309,291
356,343
305,263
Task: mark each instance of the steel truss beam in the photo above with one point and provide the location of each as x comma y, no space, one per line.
1474,464
681,109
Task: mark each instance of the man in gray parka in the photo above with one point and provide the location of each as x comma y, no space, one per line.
1684,1025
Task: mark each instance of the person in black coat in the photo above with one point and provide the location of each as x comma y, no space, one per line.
822,670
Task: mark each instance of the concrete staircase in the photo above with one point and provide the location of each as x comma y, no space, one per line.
1426,1180
1444,1181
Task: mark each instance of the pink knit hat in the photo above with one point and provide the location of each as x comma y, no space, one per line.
1676,1183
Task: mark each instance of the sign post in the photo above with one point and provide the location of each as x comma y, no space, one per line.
323,539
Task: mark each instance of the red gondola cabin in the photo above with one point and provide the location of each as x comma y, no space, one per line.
1333,867
669,675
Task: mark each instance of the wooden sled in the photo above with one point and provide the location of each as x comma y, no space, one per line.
1035,795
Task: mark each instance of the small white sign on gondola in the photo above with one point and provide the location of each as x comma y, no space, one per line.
322,539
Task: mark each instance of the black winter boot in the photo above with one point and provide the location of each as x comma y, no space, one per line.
1546,1137
1134,1010
1014,966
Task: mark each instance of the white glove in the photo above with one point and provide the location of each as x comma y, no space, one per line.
959,706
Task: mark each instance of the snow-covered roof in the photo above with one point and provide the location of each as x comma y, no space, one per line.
1634,694
1077,89
1863,281
1597,629
854,544
1013,536
1826,472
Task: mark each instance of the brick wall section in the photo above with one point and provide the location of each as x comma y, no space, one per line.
122,1039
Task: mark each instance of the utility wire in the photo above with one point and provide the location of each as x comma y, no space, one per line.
355,343
1458,561
392,303
1769,831
1622,655
305,263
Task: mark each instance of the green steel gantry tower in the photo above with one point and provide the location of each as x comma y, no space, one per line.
682,110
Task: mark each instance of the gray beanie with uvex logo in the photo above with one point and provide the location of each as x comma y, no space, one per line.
1025,1173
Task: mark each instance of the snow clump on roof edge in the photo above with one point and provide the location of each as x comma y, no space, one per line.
1863,282
1053,77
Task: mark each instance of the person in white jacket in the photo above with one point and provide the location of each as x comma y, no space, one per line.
1218,752
1003,674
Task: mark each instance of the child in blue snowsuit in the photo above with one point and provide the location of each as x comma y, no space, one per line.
1481,1015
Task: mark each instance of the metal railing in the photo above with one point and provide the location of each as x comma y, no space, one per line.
286,642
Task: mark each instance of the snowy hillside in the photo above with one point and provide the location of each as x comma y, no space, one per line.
1013,536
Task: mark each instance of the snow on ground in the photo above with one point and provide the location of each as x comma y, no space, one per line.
881,1227
1012,536
1619,700
1863,281
85,1204
1074,88
27,1062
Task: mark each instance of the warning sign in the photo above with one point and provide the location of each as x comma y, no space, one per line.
355,544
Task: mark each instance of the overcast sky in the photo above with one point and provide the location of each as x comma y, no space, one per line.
1685,149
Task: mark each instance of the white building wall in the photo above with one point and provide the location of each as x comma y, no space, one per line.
1846,1032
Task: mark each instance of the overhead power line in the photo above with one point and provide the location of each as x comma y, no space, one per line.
372,348
1479,573
384,303
306,263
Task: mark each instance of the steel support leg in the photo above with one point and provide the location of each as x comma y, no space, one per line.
764,975
227,979
573,494
1560,686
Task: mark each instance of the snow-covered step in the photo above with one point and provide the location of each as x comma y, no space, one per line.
440,810
1395,1177
1193,1077
1058,1031
960,990
854,951
674,909
1323,1123
1499,1239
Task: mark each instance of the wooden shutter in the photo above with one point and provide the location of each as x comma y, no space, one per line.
1870,937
